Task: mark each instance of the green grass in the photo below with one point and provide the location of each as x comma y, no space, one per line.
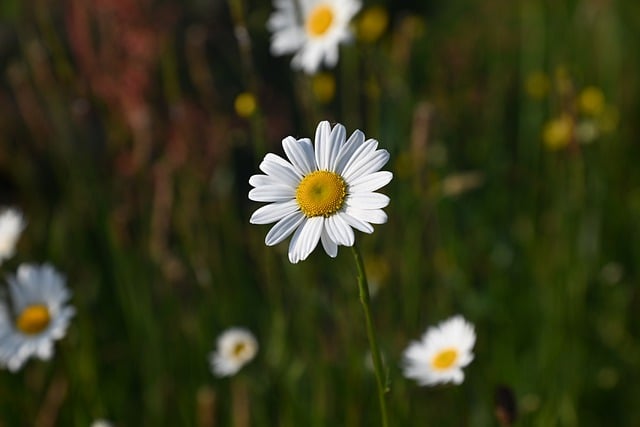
132,167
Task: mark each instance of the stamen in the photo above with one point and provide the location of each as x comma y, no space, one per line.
33,319
321,193
319,20
239,348
444,360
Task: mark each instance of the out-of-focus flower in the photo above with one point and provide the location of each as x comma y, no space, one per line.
591,101
459,183
537,85
245,104
315,40
235,348
322,192
587,131
372,24
11,225
377,268
323,86
441,353
39,315
101,423
557,133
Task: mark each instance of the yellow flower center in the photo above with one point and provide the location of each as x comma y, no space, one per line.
444,359
33,319
239,349
319,20
321,193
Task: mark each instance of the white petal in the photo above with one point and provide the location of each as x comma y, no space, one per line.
360,155
305,239
367,165
370,182
374,216
367,200
337,138
330,247
348,149
286,41
278,167
339,231
274,193
262,180
331,56
301,154
356,223
283,228
273,212
323,145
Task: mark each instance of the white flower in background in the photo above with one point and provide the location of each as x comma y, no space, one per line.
101,423
442,353
322,192
325,24
11,225
38,315
236,347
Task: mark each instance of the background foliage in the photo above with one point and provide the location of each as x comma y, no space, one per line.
121,144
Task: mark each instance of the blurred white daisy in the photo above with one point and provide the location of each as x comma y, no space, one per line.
236,347
322,192
101,423
38,315
442,353
11,225
312,29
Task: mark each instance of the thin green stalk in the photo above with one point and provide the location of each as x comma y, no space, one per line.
363,287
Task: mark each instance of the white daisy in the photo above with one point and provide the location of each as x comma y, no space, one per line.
38,315
11,225
322,192
442,353
325,24
236,347
101,423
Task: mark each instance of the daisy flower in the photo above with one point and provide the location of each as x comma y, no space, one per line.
11,225
236,347
39,315
441,354
325,24
322,191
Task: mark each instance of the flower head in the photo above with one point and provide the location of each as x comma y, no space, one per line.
11,225
441,353
39,315
325,24
322,192
236,347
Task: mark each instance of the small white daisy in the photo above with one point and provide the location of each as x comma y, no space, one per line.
236,347
442,353
325,24
322,192
101,423
38,315
11,225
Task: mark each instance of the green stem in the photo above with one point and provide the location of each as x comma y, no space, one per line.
363,287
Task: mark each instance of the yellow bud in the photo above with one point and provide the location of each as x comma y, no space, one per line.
245,104
537,85
323,86
557,133
591,101
372,24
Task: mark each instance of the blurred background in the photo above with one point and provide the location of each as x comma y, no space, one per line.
128,132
